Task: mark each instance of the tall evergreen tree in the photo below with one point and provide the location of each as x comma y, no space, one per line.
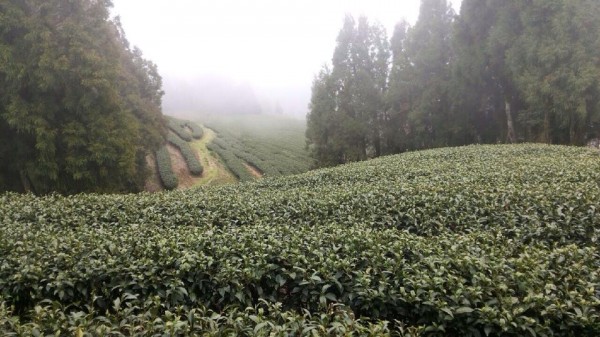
80,109
401,94
532,65
483,86
502,71
322,132
422,76
350,97
555,62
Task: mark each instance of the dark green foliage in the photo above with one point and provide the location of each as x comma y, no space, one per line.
189,155
79,109
165,169
501,71
347,109
496,240
485,93
421,80
151,319
555,66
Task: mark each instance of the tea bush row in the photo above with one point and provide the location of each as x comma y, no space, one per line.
187,152
230,159
178,127
165,169
134,318
185,129
472,241
274,146
196,130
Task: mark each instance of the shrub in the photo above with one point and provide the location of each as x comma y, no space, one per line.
188,153
197,131
165,170
233,162
178,127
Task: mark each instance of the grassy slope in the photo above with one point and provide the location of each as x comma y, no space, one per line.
215,173
473,240
279,140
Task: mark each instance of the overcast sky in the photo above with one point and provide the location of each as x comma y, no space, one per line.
267,43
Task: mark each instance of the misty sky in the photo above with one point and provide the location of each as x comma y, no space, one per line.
277,46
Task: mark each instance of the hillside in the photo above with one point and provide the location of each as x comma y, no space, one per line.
256,145
470,241
228,149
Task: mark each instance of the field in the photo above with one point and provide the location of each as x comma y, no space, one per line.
255,145
234,148
471,241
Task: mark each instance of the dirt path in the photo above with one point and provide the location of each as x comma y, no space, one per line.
153,183
215,172
253,170
180,168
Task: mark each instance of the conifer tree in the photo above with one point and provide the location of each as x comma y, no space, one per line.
350,97
555,66
424,67
501,71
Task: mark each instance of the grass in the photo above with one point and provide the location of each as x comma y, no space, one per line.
215,172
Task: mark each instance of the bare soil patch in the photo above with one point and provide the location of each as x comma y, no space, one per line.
153,183
253,170
180,168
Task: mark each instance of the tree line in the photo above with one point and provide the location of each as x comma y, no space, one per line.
80,108
500,71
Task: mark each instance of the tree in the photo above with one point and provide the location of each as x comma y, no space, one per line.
401,94
80,109
555,65
532,64
322,133
483,84
350,97
421,76
502,71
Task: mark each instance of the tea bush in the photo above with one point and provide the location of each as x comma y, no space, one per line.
188,154
197,131
470,241
273,145
165,169
178,127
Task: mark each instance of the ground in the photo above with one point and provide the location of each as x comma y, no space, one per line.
215,172
253,170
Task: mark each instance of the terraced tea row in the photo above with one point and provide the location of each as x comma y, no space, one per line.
272,146
480,240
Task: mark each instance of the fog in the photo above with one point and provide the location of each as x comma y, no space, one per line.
240,56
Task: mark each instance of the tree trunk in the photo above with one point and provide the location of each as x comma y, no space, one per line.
572,132
377,142
546,130
25,183
510,134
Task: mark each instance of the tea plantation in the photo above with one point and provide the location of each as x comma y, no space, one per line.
470,241
273,145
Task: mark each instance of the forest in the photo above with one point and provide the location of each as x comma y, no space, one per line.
497,72
80,109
